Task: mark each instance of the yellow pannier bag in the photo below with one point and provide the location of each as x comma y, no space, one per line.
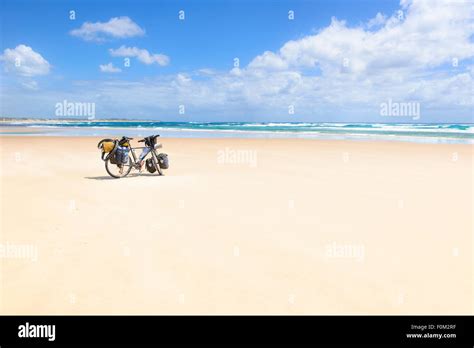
108,146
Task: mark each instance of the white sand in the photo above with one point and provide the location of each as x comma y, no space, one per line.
298,226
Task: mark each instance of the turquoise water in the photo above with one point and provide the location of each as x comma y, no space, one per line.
432,133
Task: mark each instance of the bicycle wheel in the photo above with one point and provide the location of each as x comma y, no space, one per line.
116,171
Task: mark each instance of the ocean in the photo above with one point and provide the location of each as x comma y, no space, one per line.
420,132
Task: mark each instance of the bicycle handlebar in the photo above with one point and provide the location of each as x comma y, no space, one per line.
151,136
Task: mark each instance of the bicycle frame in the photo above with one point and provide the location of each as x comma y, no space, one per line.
132,151
153,155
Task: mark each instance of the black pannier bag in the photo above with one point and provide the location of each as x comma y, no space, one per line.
150,166
163,161
112,159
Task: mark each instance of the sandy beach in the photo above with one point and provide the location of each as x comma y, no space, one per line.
238,226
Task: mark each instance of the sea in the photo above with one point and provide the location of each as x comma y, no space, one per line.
411,132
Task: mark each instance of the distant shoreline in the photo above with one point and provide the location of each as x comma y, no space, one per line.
7,120
26,120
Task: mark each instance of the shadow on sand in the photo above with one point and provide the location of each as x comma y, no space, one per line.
106,177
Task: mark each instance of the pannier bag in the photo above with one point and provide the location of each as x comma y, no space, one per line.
163,161
121,155
150,166
108,147
124,142
113,158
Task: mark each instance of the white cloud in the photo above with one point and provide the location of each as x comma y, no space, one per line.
379,19
207,71
23,61
268,60
117,27
183,79
344,70
30,84
429,34
109,68
339,73
141,54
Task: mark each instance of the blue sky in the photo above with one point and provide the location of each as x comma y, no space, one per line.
335,61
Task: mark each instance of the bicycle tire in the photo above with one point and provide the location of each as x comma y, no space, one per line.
124,174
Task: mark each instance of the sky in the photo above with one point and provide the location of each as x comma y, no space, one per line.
240,60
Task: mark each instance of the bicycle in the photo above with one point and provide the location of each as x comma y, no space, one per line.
121,170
